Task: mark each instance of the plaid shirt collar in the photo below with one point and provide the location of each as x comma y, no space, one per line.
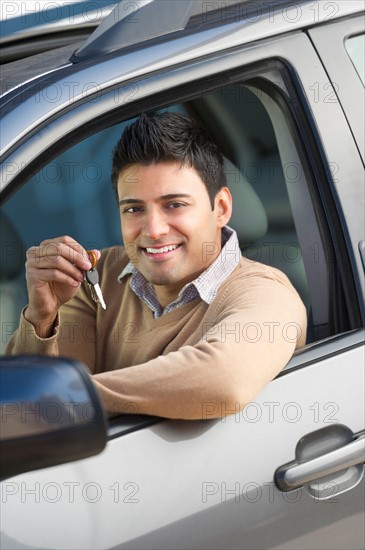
205,286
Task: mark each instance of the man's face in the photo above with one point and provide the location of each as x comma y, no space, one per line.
170,231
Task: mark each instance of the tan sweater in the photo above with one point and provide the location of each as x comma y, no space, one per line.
197,361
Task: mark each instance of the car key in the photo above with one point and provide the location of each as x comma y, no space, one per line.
92,279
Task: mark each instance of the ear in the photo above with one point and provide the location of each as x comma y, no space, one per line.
223,206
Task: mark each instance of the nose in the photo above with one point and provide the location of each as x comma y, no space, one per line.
155,224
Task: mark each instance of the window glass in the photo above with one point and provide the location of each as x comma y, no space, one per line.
355,47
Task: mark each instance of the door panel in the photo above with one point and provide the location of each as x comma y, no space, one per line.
202,484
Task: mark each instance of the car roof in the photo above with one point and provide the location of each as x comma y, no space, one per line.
159,21
195,41
133,24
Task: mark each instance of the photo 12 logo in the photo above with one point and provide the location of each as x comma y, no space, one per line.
273,411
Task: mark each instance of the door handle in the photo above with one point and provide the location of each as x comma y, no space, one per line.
300,472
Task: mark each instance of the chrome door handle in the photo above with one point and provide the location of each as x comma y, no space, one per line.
295,474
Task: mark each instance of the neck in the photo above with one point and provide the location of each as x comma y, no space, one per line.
165,295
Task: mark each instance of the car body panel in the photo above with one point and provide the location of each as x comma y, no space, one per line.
340,70
211,477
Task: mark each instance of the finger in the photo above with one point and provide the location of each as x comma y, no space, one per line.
36,264
50,276
65,247
72,250
66,239
94,256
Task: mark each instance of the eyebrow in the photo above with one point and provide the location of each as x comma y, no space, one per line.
162,198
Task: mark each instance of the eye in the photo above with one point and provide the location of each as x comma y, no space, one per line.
132,209
175,205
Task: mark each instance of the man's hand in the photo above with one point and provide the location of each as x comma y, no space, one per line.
54,271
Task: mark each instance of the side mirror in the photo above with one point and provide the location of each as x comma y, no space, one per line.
50,413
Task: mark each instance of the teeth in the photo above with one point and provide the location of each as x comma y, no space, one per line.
163,249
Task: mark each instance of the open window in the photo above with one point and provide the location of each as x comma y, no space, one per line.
271,166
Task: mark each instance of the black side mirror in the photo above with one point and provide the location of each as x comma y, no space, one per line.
50,413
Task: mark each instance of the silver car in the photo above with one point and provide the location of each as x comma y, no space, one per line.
280,86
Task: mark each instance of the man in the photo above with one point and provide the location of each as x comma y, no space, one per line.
175,337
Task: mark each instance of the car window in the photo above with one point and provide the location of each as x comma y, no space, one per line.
355,47
266,167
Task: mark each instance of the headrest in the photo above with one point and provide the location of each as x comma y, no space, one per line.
12,260
249,218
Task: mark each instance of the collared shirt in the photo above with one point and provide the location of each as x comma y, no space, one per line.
204,286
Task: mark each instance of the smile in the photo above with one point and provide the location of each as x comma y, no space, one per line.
163,249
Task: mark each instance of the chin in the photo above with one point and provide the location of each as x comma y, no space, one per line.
161,279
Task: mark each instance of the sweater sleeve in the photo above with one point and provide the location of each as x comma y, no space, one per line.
75,332
26,341
72,333
245,344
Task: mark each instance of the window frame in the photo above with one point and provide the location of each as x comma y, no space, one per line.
301,116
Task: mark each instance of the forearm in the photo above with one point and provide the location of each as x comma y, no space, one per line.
65,336
212,379
237,355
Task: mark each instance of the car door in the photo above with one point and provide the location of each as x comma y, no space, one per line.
286,471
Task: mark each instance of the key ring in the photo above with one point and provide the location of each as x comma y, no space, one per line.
93,255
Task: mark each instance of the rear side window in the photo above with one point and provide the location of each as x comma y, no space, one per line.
355,47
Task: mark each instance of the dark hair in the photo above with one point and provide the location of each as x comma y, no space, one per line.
170,137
